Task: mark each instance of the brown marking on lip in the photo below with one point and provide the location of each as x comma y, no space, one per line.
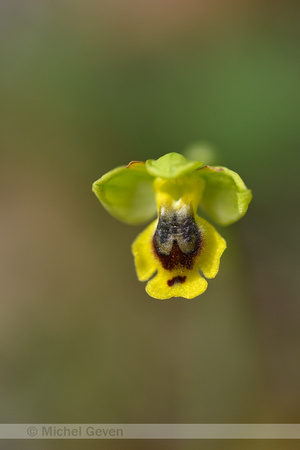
176,258
134,162
176,280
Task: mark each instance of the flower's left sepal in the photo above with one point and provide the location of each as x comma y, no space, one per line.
127,193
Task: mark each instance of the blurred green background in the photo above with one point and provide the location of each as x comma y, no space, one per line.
87,86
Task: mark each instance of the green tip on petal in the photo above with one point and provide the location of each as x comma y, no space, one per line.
171,165
127,193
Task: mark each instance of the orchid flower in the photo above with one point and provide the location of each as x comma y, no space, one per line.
178,244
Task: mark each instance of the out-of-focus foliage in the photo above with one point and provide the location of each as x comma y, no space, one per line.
88,86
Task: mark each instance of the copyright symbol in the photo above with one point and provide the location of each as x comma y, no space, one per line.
32,431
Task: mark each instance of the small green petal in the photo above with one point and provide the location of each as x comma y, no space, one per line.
127,193
225,196
171,165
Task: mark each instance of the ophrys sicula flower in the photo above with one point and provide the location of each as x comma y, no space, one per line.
178,244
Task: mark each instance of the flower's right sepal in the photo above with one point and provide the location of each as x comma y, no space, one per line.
225,197
127,193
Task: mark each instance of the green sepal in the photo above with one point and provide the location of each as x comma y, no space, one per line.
171,165
127,193
225,196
